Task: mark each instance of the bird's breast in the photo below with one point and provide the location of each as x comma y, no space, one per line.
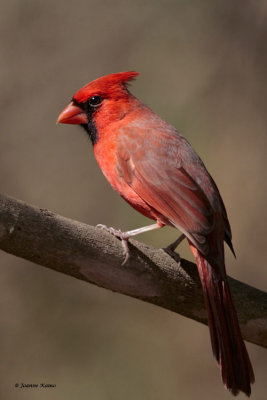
106,156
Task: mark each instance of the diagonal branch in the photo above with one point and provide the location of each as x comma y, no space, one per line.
95,256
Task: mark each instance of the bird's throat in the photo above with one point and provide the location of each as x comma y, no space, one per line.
91,130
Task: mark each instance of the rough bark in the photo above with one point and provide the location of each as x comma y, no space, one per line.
95,256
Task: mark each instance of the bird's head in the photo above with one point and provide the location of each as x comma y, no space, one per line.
99,102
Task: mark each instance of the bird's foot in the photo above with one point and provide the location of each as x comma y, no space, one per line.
170,249
123,236
172,254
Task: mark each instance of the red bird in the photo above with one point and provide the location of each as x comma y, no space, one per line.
153,167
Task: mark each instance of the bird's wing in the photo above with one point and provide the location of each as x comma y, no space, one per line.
155,167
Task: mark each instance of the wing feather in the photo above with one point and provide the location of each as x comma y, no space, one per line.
157,170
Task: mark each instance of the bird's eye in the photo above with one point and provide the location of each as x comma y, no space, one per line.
94,101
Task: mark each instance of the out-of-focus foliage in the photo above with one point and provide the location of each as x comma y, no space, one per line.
203,68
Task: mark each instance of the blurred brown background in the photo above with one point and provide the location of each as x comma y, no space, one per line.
203,68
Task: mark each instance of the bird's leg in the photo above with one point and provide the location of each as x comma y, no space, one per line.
171,248
124,236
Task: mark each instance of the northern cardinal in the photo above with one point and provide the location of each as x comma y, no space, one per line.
153,167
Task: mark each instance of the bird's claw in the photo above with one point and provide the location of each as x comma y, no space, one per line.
172,254
126,251
171,249
120,235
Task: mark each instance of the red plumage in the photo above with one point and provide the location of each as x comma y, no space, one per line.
153,167
104,86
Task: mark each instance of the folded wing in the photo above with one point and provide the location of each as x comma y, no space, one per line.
156,169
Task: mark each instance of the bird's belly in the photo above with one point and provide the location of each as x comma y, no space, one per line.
129,195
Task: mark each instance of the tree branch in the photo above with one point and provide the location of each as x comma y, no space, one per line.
95,256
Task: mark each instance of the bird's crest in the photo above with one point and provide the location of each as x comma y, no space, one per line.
109,84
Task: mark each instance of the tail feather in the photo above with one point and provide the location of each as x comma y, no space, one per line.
227,344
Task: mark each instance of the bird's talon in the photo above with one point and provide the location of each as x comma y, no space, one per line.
115,232
123,236
175,256
101,226
126,251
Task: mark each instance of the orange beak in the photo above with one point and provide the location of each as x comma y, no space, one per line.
72,114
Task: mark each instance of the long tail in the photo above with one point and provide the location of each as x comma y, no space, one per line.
227,344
